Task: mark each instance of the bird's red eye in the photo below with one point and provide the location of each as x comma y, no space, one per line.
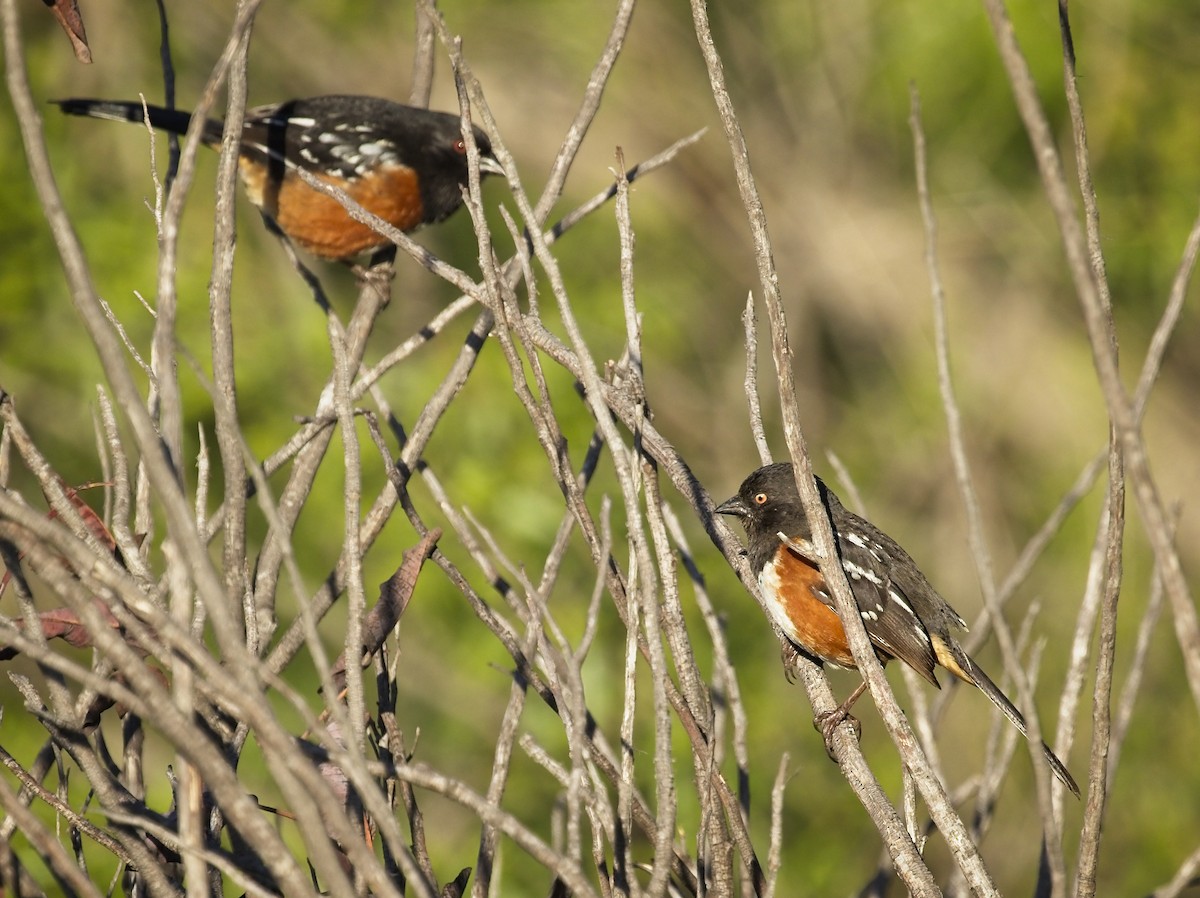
459,147
760,498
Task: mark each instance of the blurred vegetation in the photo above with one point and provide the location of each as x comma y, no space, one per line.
822,89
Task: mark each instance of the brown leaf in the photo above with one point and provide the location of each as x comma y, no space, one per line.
394,596
63,623
457,886
335,777
67,13
396,592
90,519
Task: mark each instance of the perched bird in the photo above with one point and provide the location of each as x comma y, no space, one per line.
903,614
406,165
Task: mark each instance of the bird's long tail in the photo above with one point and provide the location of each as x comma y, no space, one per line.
175,121
966,669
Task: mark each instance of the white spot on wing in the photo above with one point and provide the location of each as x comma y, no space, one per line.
860,573
899,600
346,153
283,121
377,148
863,543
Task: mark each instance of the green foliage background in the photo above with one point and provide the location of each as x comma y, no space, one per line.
822,89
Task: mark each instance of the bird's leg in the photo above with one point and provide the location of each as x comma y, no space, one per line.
828,721
378,273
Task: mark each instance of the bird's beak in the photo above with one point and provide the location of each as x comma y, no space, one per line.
489,166
733,506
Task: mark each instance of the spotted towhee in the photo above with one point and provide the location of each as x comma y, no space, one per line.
406,165
903,614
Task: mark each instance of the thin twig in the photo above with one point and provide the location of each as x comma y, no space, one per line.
908,862
1124,422
1053,851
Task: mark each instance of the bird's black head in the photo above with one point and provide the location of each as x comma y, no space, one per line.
768,505
767,502
443,167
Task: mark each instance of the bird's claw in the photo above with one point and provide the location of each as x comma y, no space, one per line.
827,722
788,654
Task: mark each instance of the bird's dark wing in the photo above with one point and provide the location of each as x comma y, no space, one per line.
888,614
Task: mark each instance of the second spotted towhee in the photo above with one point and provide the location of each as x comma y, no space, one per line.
404,164
903,614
